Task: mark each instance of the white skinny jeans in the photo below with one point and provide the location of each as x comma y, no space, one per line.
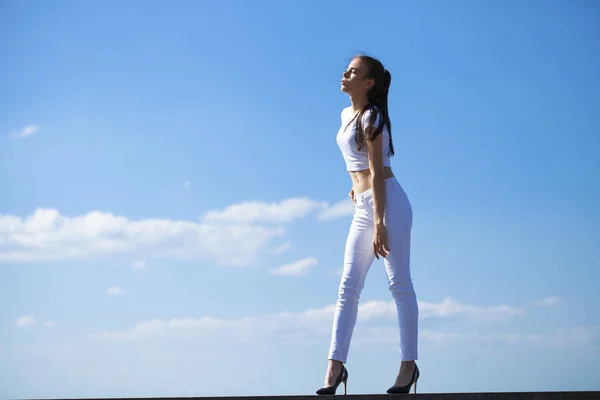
358,258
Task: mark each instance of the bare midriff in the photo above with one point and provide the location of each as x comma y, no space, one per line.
361,180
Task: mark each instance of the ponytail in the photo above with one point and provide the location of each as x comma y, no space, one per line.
377,105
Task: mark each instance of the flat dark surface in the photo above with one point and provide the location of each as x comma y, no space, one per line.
583,395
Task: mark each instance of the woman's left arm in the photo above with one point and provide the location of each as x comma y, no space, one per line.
375,150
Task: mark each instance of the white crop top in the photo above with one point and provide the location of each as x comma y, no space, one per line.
346,140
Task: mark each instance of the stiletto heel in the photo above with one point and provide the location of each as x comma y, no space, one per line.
406,389
342,378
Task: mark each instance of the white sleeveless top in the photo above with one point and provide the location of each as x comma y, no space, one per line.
346,140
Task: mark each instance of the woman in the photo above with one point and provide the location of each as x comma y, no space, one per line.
381,225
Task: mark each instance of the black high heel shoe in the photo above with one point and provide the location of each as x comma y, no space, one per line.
406,389
342,377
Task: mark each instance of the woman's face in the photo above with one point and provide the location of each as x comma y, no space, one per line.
353,79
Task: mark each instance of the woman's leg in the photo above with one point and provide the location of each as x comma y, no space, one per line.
358,257
398,221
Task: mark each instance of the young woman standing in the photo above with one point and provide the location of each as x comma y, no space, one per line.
381,225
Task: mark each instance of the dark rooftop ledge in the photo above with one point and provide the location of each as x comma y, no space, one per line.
555,395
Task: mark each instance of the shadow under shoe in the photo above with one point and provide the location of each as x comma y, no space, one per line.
342,377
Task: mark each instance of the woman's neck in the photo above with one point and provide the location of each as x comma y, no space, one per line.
358,102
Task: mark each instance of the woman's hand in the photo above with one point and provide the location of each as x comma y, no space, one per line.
380,241
351,194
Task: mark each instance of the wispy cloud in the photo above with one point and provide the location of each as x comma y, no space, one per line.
26,320
337,210
114,291
139,264
25,132
284,211
447,308
548,302
258,211
282,248
315,324
310,322
187,184
582,338
296,268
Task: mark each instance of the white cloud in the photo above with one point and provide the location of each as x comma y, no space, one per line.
582,338
310,322
296,268
26,320
114,291
258,211
450,307
283,248
284,211
340,209
139,264
233,236
550,301
46,235
25,132
447,308
187,184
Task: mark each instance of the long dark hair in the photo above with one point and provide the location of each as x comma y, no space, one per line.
377,101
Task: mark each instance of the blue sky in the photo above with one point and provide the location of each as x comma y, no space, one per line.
174,205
